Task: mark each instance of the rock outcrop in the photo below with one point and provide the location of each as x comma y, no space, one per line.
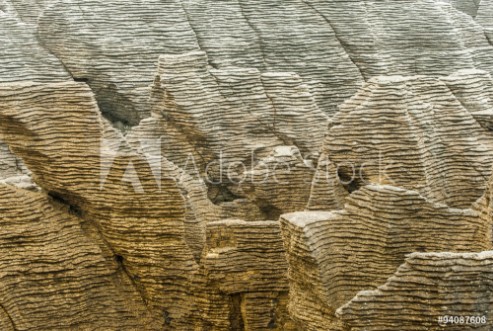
440,290
106,183
246,165
51,267
334,255
419,133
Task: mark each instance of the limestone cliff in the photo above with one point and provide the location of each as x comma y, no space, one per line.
246,165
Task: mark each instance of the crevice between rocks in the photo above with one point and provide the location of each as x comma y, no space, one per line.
195,32
257,33
336,36
4,312
77,212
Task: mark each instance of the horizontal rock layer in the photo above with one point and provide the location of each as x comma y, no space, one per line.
419,133
51,268
375,115
333,255
425,291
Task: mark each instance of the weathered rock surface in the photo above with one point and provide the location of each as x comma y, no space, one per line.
425,288
31,124
106,181
54,276
245,261
22,58
418,133
183,208
332,45
333,255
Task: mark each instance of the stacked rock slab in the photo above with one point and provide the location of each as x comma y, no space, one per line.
55,277
22,59
331,45
414,133
333,255
246,276
401,37
469,7
249,116
114,47
87,38
126,192
288,36
110,185
473,38
474,90
242,279
280,182
484,18
424,292
176,217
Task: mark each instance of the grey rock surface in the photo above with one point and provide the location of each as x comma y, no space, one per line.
245,165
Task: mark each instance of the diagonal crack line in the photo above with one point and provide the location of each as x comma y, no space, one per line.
336,36
199,41
272,128
60,200
9,317
257,33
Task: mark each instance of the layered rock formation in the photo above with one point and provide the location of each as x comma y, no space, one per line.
52,267
112,197
426,288
333,255
246,165
420,133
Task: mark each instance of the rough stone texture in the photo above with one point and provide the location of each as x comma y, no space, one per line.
245,261
425,287
219,117
51,268
22,58
31,124
469,7
250,117
141,216
332,45
474,90
418,132
115,47
484,16
333,255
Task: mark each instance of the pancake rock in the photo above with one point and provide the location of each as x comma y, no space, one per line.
54,276
469,7
423,293
420,133
474,90
483,17
333,255
406,37
280,182
156,227
105,183
245,261
23,58
245,165
333,52
87,36
114,47
250,115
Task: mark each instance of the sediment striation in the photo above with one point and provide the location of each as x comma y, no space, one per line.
246,165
